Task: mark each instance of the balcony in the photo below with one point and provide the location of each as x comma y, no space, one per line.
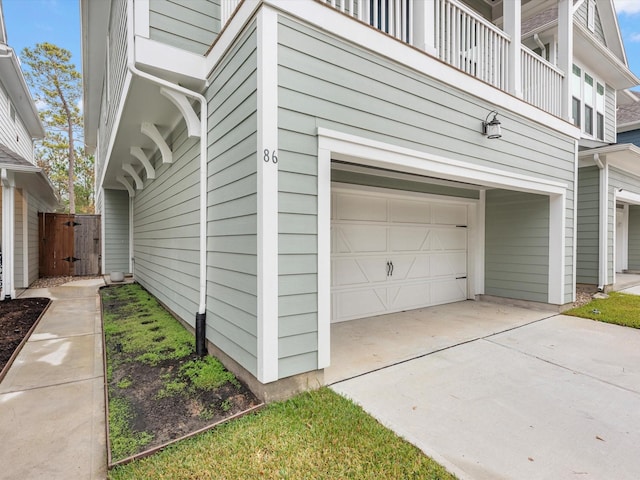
460,37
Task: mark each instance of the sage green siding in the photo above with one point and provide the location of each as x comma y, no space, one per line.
517,245
115,215
166,228
192,25
326,82
232,203
634,237
588,225
401,184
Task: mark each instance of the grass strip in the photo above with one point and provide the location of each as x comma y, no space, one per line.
619,309
318,435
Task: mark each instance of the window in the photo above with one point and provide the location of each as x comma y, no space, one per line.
547,48
588,104
591,15
600,111
576,90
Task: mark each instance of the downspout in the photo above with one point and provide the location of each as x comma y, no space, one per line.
603,216
543,50
201,339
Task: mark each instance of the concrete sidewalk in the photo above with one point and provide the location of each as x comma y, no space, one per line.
52,421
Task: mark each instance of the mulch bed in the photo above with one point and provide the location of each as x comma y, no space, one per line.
16,319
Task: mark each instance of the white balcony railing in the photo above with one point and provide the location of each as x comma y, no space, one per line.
461,37
468,42
227,7
541,82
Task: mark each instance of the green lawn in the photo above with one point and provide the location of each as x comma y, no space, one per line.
317,435
620,309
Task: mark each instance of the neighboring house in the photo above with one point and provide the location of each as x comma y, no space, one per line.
272,166
626,242
25,188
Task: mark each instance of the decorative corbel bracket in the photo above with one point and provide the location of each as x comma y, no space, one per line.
182,103
150,130
127,185
142,157
128,168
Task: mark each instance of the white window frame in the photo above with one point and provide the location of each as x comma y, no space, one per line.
591,102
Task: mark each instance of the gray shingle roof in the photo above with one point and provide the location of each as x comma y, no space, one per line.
628,113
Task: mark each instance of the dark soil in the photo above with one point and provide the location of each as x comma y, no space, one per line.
173,417
16,318
165,418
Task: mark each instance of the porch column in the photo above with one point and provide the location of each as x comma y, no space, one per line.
513,28
424,25
8,234
565,54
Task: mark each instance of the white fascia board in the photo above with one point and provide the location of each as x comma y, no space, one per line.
141,13
153,54
384,155
627,127
628,197
336,23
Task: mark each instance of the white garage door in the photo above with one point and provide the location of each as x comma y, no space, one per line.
391,253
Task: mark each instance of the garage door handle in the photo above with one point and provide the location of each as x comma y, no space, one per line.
391,269
388,268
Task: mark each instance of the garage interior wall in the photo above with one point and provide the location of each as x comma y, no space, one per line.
517,245
634,237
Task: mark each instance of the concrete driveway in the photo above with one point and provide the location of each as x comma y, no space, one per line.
555,399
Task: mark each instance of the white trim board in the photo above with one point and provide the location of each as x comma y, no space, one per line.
267,169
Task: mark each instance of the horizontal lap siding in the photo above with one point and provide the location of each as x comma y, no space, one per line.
610,115
517,245
191,25
632,136
34,206
232,204
166,228
116,231
634,237
325,82
588,225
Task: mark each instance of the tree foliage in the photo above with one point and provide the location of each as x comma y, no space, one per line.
57,88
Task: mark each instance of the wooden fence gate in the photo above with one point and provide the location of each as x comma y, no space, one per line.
69,244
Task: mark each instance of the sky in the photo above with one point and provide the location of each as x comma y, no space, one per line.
58,21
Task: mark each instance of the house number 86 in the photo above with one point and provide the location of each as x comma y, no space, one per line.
270,156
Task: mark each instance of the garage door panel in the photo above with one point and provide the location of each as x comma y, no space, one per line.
407,297
448,239
359,303
408,239
360,238
449,264
449,214
423,240
405,211
364,208
448,291
358,271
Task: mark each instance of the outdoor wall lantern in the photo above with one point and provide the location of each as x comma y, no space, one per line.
492,128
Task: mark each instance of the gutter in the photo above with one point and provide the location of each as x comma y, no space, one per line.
603,218
202,305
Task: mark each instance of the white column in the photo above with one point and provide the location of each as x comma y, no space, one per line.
565,54
513,28
267,168
557,242
324,256
8,234
424,25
